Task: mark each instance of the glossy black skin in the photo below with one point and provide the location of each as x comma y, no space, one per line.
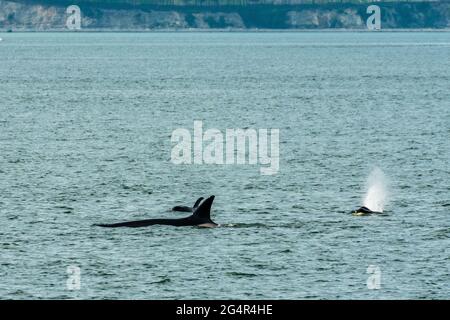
364,211
186,208
200,216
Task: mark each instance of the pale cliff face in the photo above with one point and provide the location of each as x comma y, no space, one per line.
20,16
40,17
324,19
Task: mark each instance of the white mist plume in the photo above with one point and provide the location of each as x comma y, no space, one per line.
376,195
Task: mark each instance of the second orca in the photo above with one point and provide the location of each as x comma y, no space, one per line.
186,208
364,211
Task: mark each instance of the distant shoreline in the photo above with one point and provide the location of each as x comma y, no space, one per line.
230,31
338,17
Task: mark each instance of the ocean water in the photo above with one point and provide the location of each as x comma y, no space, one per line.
85,137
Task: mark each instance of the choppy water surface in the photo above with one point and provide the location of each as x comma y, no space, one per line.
85,127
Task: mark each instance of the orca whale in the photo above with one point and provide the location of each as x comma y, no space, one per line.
363,211
200,218
186,208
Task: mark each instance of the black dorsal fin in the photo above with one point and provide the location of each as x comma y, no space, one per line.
197,202
204,210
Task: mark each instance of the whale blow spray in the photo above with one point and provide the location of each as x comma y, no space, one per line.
376,194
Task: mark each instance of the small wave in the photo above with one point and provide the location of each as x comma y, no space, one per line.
291,225
165,280
65,209
137,188
241,274
244,225
441,234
